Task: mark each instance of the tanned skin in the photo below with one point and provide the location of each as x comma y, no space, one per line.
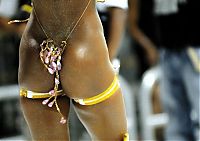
86,72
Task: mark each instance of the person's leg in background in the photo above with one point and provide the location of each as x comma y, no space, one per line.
174,97
191,78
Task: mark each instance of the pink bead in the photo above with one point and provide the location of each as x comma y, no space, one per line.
44,102
51,92
59,65
46,60
54,65
57,81
63,120
49,54
51,71
51,104
59,49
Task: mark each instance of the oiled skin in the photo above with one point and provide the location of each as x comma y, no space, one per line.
86,72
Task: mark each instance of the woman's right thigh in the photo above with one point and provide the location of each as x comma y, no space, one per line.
105,121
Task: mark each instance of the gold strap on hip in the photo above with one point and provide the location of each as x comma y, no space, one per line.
102,96
35,95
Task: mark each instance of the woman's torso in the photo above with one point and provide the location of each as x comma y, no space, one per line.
86,68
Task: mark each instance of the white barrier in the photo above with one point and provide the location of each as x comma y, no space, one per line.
149,120
8,92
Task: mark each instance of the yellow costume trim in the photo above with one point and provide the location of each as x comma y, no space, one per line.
35,95
126,137
102,96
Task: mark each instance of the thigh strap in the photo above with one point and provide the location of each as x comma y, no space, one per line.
48,99
102,96
35,95
88,101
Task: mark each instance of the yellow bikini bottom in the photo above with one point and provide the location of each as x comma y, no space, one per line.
87,101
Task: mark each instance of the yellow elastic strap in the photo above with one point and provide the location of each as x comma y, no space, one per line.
126,137
35,95
102,96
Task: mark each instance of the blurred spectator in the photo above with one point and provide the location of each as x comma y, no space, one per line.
113,16
179,41
10,35
180,87
10,10
9,39
8,53
142,27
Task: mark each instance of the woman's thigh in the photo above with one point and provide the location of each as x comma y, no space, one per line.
87,72
43,121
105,120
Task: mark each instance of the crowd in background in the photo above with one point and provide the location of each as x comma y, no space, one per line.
157,44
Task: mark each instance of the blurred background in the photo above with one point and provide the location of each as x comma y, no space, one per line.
137,33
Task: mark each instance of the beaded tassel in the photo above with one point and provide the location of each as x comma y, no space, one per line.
50,56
